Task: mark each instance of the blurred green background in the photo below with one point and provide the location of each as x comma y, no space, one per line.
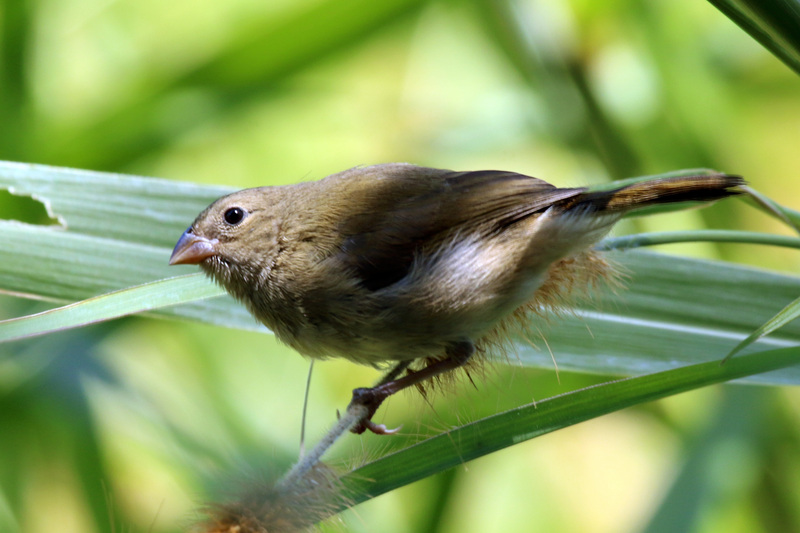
129,425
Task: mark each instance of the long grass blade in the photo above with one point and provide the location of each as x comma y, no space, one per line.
787,314
117,304
488,435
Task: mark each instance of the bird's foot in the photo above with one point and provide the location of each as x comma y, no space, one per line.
371,399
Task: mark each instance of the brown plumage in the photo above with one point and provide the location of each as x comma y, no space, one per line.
398,263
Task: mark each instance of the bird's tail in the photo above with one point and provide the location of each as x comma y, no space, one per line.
696,188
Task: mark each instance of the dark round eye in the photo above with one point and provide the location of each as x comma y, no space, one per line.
234,215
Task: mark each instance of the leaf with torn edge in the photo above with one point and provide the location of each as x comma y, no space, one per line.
118,232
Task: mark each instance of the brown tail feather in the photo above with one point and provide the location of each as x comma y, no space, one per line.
698,188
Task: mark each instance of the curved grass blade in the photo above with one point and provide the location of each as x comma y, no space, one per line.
786,315
672,237
163,293
494,433
673,312
789,216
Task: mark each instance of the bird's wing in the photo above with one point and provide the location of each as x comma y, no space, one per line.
422,208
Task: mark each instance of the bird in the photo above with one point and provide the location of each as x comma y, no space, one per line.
411,268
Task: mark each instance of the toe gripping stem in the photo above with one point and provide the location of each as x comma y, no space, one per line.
457,355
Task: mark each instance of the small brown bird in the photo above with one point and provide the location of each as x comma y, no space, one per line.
405,264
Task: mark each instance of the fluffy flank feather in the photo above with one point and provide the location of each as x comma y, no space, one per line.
569,281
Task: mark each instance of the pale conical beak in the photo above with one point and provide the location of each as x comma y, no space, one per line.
191,249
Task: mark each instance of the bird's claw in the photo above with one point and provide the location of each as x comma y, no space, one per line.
370,399
380,429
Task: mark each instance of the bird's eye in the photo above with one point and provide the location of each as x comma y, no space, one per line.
234,215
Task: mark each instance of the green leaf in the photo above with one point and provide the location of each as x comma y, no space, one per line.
789,216
786,315
120,230
673,311
132,209
116,232
117,304
638,240
773,23
496,432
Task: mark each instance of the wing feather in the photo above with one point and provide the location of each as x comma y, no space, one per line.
424,208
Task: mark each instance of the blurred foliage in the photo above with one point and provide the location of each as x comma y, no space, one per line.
123,427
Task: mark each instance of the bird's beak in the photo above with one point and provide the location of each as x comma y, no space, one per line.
191,249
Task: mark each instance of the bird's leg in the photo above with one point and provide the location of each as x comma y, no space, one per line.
457,355
393,373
